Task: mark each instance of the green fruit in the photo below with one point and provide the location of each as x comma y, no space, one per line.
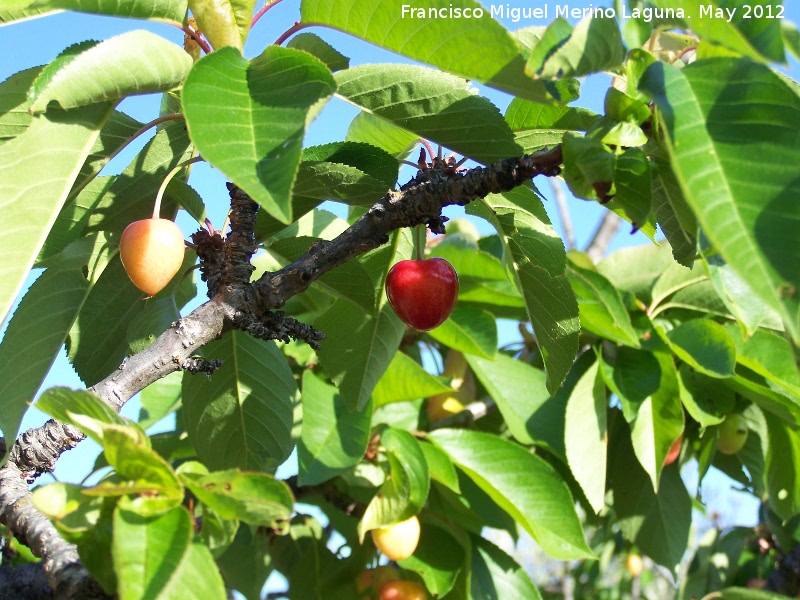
732,434
464,227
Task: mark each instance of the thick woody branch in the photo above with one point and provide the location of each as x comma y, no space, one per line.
237,303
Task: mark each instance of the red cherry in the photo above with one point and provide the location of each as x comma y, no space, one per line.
423,293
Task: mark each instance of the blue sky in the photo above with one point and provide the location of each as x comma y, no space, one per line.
38,41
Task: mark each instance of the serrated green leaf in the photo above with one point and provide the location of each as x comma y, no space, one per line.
657,524
469,330
358,348
518,389
255,498
482,51
316,46
538,261
404,380
247,415
405,490
743,211
705,345
14,103
586,436
467,259
523,485
155,557
769,355
740,300
433,105
150,323
33,190
246,563
369,129
708,401
494,574
594,45
635,269
674,216
333,438
136,62
783,462
248,118
41,323
170,11
602,310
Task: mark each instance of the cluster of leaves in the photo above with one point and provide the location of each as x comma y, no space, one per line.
671,338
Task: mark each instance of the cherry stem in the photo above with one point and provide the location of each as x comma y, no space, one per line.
167,179
298,26
140,131
197,37
262,11
429,148
420,245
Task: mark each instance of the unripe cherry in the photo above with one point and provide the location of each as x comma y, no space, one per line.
152,253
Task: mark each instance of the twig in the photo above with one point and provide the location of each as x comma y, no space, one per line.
602,236
298,26
563,212
262,11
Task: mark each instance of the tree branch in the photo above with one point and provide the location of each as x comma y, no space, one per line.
602,236
237,303
563,212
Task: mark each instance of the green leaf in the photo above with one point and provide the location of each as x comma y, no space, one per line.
160,399
358,348
136,62
745,33
468,330
783,464
705,345
73,512
333,438
538,262
369,129
468,259
72,406
438,559
247,415
155,557
433,105
14,103
518,389
482,51
743,211
255,498
657,523
316,46
707,400
32,191
586,436
635,270
40,325
246,563
169,11
737,593
496,575
523,485
223,22
594,45
154,320
589,167
659,420
602,310
377,167
440,467
248,118
405,380
634,182
97,342
405,490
